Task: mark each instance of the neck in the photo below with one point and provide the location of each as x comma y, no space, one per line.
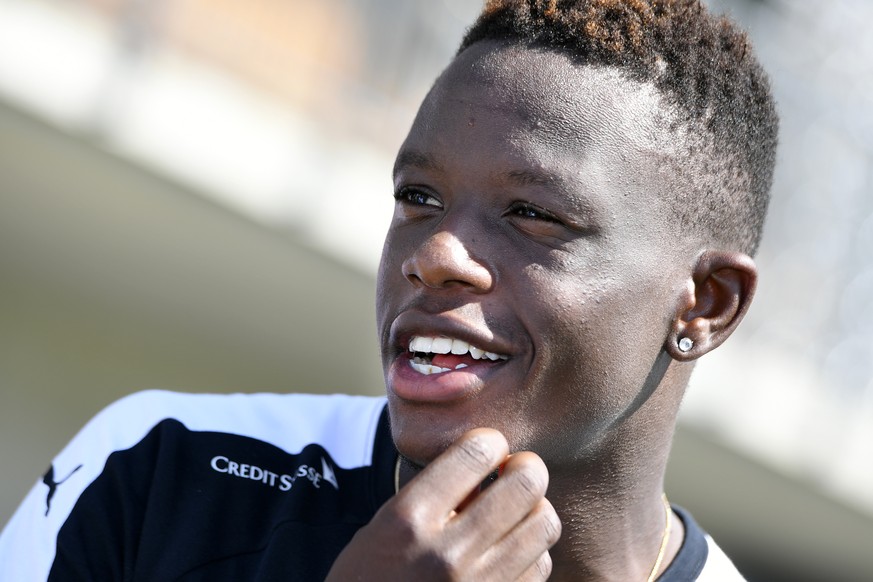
612,509
609,535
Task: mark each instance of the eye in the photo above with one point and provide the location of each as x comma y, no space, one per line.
528,210
416,197
541,225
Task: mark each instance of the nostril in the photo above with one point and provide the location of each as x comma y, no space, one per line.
410,274
443,261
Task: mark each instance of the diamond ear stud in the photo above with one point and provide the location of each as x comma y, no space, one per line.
685,344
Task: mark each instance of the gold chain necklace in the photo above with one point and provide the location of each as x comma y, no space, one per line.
397,475
665,539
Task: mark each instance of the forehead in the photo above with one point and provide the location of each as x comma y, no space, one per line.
548,99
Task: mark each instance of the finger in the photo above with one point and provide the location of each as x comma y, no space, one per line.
504,504
491,478
524,546
449,479
539,570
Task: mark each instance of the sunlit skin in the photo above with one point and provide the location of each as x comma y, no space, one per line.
534,234
531,221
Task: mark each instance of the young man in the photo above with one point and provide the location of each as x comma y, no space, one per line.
577,203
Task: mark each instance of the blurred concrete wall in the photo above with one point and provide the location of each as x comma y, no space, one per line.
113,280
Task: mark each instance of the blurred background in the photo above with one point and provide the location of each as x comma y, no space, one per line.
193,195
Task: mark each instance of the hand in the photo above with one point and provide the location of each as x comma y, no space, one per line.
504,533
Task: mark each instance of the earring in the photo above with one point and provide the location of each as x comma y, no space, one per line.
685,344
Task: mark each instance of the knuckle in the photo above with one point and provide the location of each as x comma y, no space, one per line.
552,526
442,566
415,537
404,520
544,565
476,452
531,484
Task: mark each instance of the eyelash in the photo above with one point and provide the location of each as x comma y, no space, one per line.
524,209
406,194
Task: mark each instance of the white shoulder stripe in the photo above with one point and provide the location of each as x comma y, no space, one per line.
344,425
718,567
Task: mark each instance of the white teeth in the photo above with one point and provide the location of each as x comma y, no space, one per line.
441,345
445,345
427,369
460,366
420,344
460,347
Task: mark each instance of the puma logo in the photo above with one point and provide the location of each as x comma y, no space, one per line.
49,479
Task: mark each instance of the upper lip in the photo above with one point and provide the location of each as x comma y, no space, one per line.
413,323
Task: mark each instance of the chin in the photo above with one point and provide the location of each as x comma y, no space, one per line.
420,449
421,435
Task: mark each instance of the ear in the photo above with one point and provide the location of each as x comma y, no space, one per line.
717,297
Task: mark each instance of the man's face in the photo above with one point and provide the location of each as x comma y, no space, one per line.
529,275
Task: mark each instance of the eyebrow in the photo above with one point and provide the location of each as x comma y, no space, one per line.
531,178
425,162
417,159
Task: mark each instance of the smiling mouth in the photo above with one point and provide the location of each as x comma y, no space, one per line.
438,355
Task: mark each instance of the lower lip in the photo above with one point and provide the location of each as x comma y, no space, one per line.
411,385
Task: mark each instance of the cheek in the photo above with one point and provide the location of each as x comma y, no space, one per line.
597,334
390,269
386,299
563,303
565,319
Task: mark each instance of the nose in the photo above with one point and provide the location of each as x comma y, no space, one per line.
443,261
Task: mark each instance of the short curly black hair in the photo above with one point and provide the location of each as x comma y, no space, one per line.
705,68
